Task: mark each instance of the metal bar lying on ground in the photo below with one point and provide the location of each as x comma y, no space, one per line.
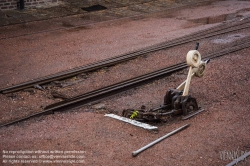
239,159
135,153
133,122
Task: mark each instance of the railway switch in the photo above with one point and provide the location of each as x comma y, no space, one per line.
176,101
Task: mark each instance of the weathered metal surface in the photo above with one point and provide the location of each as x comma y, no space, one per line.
176,101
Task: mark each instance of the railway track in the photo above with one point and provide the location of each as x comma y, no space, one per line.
217,30
125,85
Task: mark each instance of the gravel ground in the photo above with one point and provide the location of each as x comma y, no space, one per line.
223,126
91,81
222,92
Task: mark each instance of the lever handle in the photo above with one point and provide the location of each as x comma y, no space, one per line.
197,46
207,61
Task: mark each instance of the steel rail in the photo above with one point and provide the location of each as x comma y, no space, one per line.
207,31
131,83
124,57
210,32
124,85
93,66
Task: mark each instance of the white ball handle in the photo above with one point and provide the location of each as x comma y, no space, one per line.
193,58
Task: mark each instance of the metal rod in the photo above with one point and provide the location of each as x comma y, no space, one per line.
135,153
239,159
188,81
159,108
197,46
182,85
191,115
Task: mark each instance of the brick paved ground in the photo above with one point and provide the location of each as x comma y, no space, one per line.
115,9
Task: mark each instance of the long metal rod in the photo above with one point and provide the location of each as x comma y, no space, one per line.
192,114
124,57
135,153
